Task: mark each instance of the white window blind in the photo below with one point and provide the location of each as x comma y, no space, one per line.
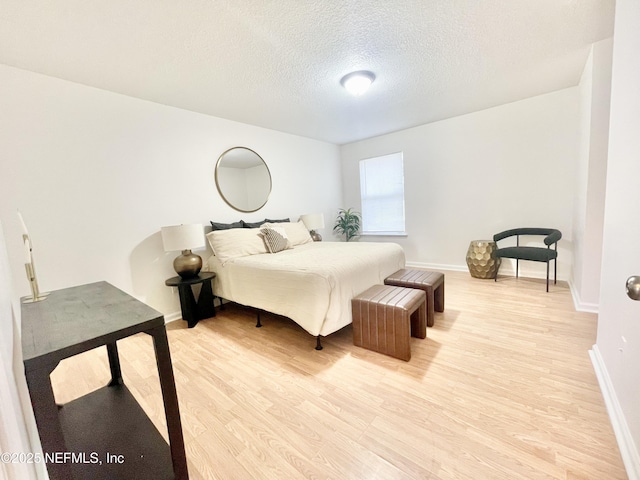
382,195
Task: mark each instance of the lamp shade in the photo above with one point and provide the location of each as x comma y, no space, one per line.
313,221
182,237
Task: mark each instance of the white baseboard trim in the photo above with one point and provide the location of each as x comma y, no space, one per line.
507,271
578,304
462,268
504,270
438,266
172,317
628,449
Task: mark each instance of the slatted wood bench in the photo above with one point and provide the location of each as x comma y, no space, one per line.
431,282
385,318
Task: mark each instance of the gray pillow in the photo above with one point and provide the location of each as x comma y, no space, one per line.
226,226
284,220
254,224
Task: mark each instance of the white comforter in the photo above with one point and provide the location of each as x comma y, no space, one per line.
312,284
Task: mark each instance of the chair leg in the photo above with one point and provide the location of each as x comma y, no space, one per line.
547,275
517,266
555,270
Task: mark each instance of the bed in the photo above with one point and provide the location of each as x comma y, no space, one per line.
312,283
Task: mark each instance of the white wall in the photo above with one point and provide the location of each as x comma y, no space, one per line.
96,174
585,89
469,177
17,424
595,96
617,350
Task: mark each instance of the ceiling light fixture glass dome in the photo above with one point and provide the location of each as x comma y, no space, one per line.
357,83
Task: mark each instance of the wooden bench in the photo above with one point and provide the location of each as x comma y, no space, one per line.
431,282
385,318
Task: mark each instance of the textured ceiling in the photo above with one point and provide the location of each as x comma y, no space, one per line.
278,64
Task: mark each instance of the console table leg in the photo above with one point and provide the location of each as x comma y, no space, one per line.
45,412
114,364
170,397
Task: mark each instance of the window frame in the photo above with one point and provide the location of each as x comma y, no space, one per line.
365,170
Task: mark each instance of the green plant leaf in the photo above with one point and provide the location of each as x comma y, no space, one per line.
347,223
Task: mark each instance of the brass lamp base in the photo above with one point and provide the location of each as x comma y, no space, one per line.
39,298
36,295
188,265
315,236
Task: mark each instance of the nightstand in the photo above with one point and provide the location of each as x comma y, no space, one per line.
192,310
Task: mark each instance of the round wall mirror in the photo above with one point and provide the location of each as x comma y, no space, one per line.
243,179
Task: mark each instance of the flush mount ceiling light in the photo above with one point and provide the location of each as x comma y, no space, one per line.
357,83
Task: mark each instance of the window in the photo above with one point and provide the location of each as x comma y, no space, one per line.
382,195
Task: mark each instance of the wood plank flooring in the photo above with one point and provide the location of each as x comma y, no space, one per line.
501,388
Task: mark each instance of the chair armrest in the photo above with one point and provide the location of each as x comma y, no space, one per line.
553,237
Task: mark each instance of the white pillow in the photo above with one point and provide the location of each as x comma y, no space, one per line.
296,232
275,238
236,242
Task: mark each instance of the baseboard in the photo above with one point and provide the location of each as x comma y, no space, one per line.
628,449
438,266
578,304
172,317
505,270
464,268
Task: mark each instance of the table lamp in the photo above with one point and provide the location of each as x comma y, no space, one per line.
313,221
184,237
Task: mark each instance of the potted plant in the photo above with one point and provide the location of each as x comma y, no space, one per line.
347,223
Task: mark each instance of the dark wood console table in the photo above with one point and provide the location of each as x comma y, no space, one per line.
104,434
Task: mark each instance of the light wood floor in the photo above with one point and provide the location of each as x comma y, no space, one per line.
501,388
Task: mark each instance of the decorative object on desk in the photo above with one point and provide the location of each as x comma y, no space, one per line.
481,259
347,223
184,237
29,265
313,222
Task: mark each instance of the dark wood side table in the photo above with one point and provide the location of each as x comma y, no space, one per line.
192,310
104,434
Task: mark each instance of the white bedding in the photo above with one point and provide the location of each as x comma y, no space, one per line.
312,284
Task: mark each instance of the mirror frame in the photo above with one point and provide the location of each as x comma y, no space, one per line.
226,200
